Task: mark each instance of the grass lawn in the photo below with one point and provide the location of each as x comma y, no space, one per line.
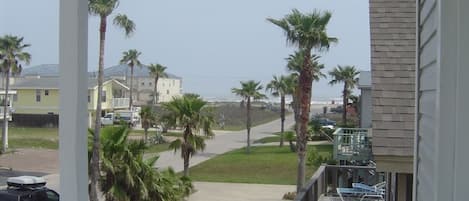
265,165
268,139
47,138
156,148
42,138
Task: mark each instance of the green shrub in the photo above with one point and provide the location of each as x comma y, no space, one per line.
289,196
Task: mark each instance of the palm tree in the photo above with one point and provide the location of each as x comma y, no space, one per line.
295,64
147,116
126,175
278,87
157,71
348,76
249,90
307,32
188,112
103,9
130,58
11,55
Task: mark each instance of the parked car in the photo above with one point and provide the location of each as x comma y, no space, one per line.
27,188
120,116
326,123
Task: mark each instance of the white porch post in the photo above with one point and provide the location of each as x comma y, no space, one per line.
73,100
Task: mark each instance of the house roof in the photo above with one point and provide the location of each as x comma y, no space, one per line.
364,80
122,70
52,70
51,83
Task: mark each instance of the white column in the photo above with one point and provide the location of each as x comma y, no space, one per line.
73,100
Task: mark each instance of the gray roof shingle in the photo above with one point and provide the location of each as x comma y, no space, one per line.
52,70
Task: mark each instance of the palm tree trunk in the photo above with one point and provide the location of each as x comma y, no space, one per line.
305,81
97,126
282,118
248,125
186,164
145,131
5,108
344,102
155,91
131,85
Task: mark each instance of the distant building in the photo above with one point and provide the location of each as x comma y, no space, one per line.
36,102
143,83
364,84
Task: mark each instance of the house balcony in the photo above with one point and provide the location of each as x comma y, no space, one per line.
120,103
327,179
353,144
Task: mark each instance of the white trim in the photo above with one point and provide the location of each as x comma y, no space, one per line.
2,92
73,81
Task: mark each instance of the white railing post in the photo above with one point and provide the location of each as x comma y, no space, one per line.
73,100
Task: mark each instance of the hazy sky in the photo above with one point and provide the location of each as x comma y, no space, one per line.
211,44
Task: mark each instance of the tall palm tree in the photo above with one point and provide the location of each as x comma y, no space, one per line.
348,75
157,71
103,9
279,88
307,32
11,55
249,90
147,115
188,112
130,57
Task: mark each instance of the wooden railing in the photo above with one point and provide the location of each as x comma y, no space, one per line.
327,178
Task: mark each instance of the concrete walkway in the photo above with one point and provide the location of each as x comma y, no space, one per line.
211,191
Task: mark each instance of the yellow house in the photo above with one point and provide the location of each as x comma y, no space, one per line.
37,99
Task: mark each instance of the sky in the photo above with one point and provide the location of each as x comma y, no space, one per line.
211,44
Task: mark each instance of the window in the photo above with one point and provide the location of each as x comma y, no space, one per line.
167,91
143,83
38,95
103,97
89,98
15,97
46,92
149,83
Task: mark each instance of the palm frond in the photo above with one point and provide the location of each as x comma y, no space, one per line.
122,21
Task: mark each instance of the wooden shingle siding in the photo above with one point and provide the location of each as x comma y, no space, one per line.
393,56
427,96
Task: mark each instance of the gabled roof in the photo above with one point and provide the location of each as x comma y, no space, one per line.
364,80
52,70
52,83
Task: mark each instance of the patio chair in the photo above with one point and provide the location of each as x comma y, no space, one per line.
378,188
363,191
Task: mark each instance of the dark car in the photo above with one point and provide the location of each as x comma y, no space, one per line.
26,188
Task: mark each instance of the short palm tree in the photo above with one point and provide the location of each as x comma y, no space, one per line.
250,90
103,9
157,71
306,32
190,113
11,55
130,58
126,175
348,75
278,86
148,116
